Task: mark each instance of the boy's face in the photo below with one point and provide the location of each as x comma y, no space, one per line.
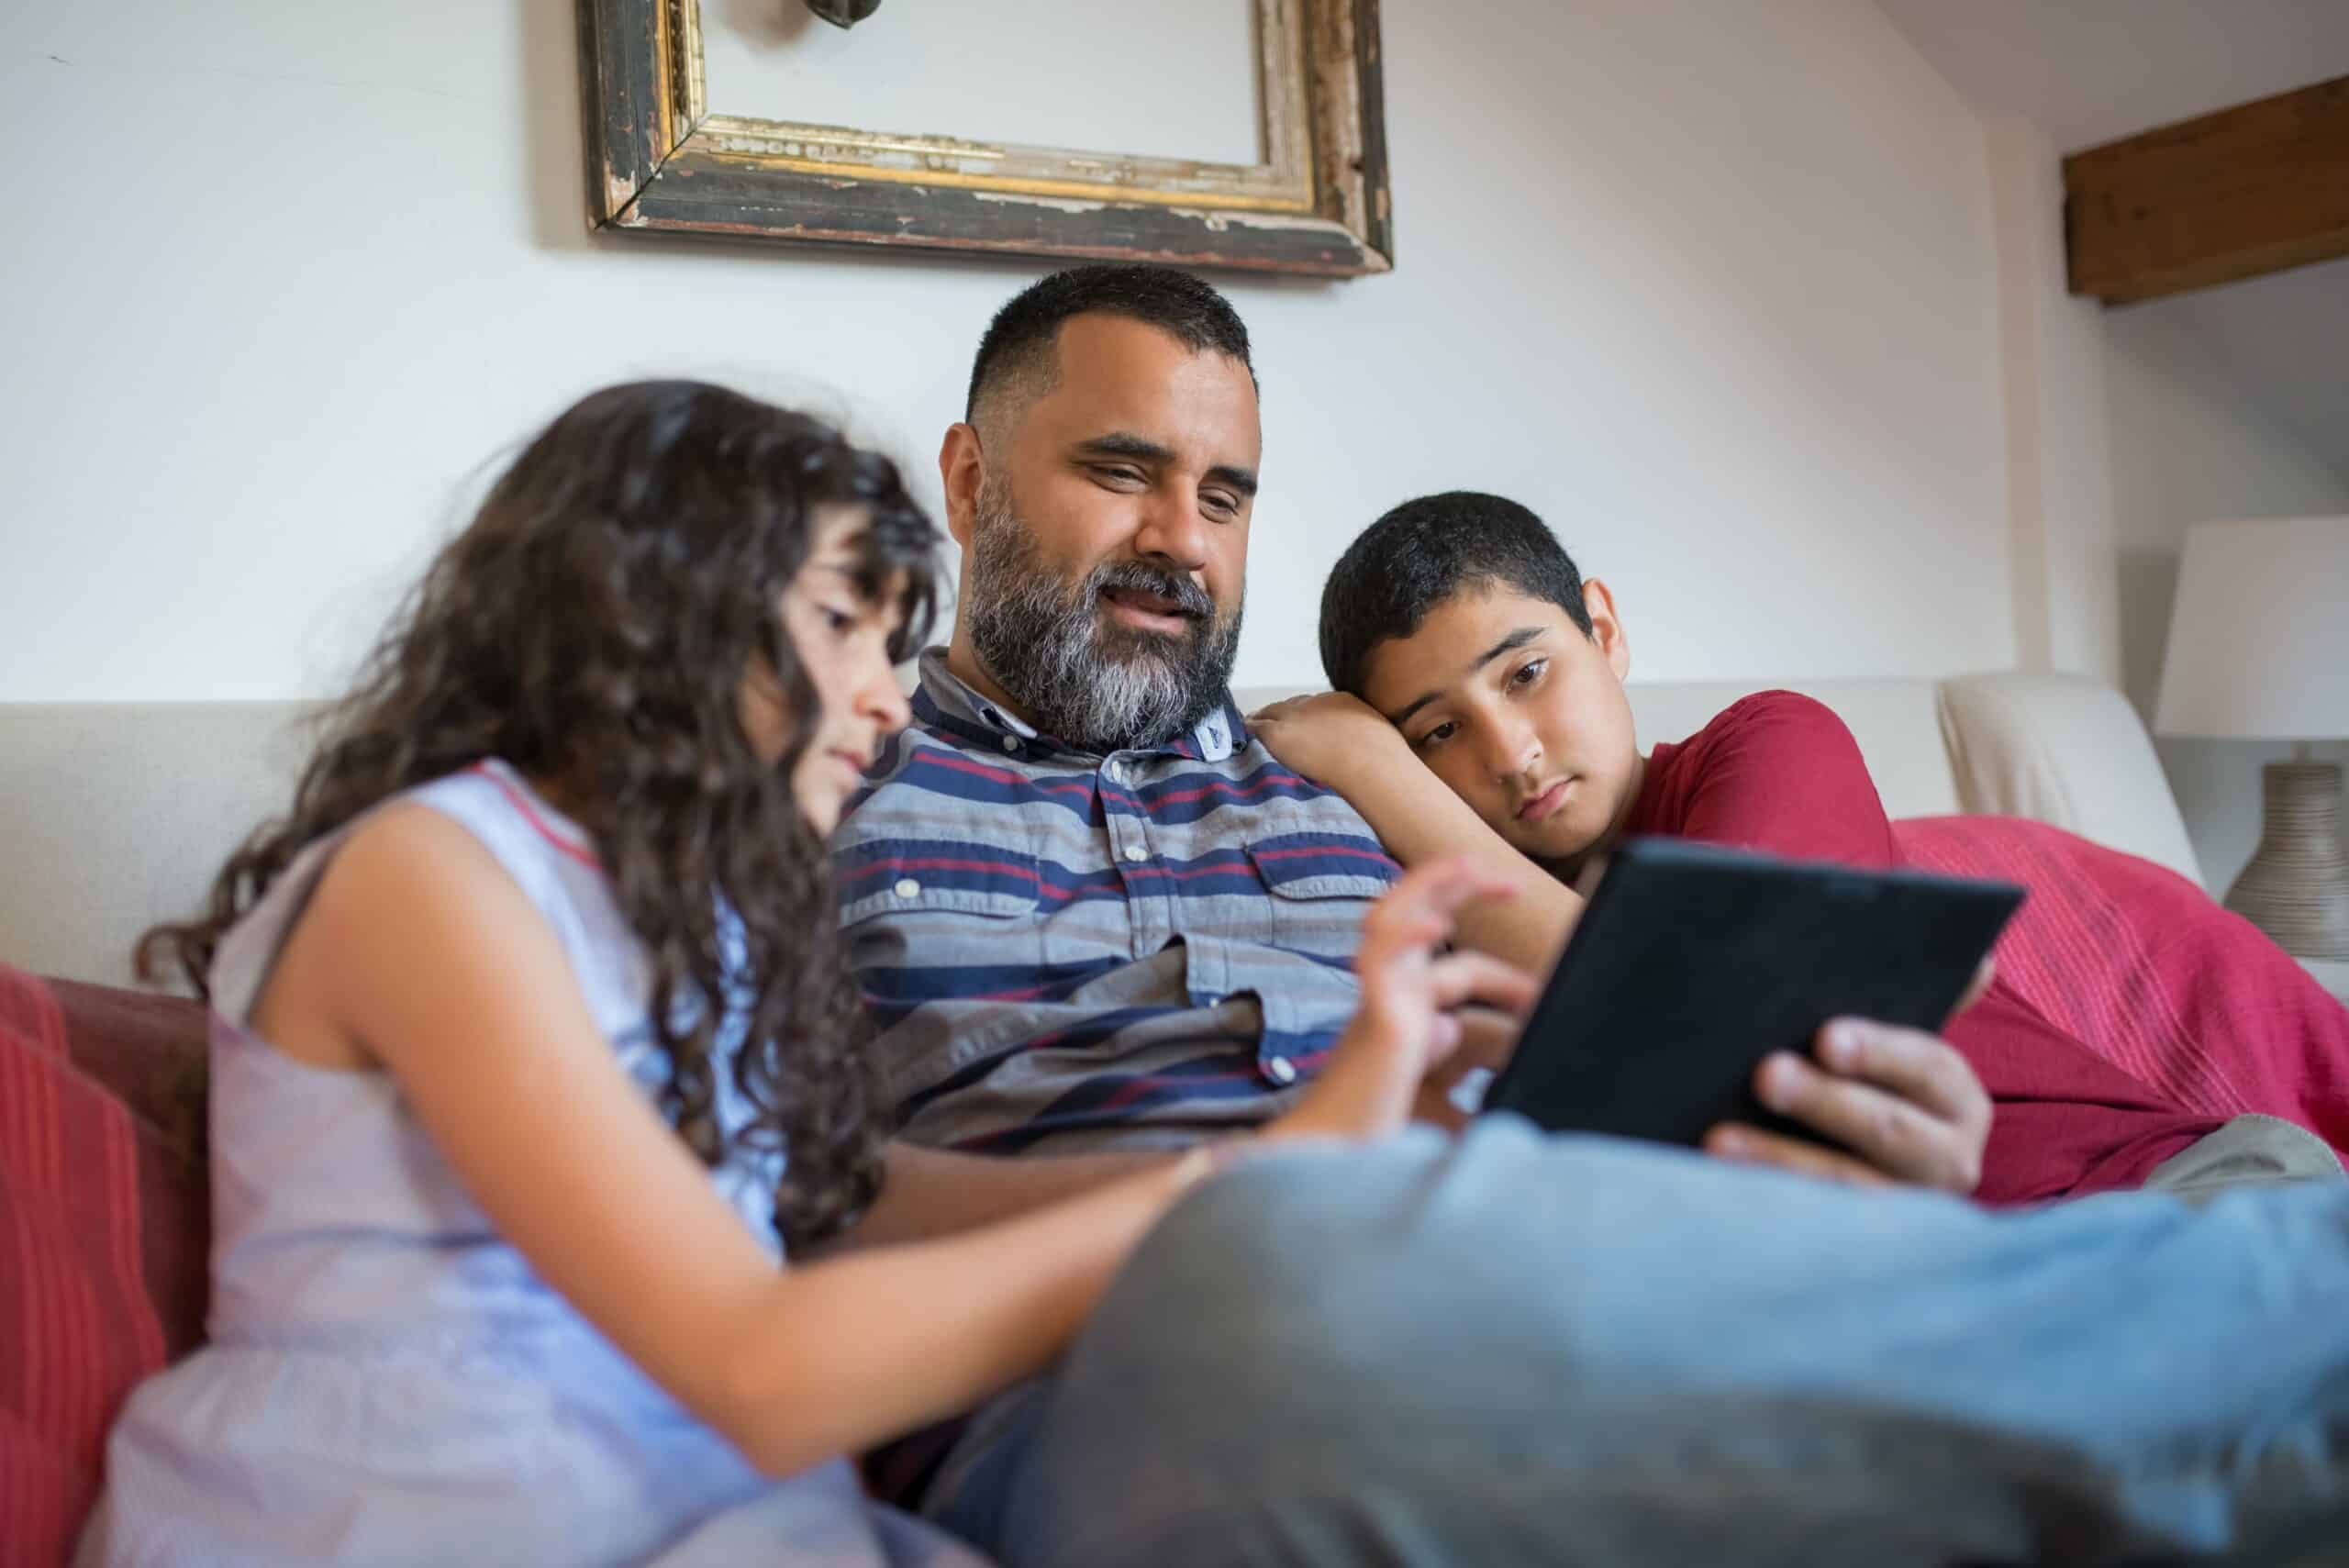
1519,713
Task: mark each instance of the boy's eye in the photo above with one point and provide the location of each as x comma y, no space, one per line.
1436,736
1529,674
837,620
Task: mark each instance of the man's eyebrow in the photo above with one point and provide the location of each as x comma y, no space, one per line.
1124,443
1140,448
1241,479
1514,640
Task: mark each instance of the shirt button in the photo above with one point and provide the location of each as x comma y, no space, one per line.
1136,852
1011,743
907,887
1281,1070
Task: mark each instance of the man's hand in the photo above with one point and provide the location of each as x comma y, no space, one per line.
1328,736
1903,1104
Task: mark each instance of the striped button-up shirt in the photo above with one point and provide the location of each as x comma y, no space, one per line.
1094,952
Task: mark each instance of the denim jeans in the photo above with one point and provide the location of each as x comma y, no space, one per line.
1517,1349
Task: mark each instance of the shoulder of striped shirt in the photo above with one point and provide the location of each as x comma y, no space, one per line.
923,763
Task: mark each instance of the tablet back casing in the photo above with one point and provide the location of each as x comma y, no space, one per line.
1692,962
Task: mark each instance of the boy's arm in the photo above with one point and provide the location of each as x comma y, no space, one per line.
1779,772
1343,743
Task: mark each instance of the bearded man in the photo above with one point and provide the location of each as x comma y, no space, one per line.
1094,919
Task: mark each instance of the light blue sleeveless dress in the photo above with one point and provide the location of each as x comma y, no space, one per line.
387,1380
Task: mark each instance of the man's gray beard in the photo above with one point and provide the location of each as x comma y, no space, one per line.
1099,686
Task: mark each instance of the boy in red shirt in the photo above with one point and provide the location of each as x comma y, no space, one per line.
1478,708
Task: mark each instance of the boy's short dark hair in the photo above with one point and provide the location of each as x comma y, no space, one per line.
1423,552
1019,340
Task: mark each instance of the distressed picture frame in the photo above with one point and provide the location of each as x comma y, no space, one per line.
663,160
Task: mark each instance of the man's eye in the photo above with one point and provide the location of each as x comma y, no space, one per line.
1530,673
1223,505
1117,475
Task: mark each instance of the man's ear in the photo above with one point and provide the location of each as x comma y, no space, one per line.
1606,626
961,467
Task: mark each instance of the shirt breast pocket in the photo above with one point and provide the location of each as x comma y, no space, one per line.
942,904
1321,886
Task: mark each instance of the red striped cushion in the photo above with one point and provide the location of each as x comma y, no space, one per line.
2152,974
81,1180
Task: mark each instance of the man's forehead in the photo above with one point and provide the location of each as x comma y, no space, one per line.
1113,372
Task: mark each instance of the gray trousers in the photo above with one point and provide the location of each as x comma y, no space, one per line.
1523,1349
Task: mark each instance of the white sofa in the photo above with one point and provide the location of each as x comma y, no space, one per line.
115,815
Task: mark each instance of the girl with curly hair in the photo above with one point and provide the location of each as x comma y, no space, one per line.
532,1052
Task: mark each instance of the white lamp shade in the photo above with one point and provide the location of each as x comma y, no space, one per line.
2259,635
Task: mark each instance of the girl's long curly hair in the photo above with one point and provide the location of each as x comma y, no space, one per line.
593,627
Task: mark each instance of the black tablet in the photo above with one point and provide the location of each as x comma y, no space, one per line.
1692,962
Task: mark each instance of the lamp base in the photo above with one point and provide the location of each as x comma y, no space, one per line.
2297,887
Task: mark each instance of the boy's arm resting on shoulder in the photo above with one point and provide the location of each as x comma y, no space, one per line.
442,970
1343,743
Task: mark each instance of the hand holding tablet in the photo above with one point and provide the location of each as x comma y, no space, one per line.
1693,962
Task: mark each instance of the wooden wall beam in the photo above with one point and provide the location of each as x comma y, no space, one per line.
2248,190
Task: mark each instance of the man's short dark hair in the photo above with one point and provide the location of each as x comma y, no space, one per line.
1423,552
1019,341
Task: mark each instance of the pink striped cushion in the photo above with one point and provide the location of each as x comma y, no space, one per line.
81,1179
2152,974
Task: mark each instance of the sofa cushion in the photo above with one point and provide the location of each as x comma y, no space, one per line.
2142,966
1897,724
103,1231
2066,749
119,814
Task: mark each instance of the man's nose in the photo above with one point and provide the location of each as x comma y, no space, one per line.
1172,528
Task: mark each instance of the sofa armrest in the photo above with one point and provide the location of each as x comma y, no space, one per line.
2068,751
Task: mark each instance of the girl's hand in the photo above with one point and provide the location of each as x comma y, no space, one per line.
1329,736
1406,1033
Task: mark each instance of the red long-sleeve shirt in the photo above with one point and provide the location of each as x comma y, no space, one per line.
1779,772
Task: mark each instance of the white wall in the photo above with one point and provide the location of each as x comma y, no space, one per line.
2059,495
1712,286
2088,71
2198,435
2127,425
